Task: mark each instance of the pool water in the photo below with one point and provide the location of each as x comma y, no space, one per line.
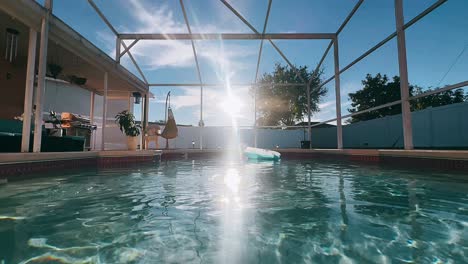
211,211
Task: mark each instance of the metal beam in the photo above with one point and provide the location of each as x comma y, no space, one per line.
440,90
255,117
225,36
339,129
262,36
118,46
287,61
129,47
233,10
135,63
143,122
360,112
388,38
348,18
256,71
261,42
446,88
309,117
104,112
404,82
201,123
193,45
119,40
91,2
91,119
223,84
424,13
367,53
321,60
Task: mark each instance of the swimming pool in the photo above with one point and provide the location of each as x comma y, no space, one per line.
211,211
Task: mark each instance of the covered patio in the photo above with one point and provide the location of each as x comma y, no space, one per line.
40,40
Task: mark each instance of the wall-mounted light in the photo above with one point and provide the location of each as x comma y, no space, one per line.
11,45
137,97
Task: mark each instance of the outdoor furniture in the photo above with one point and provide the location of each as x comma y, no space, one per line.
11,135
152,135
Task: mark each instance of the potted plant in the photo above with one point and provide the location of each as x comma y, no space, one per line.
128,126
77,80
54,70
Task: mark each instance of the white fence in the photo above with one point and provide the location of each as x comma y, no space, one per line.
223,137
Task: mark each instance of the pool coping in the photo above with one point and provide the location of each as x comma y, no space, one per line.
435,154
428,154
18,165
13,158
437,159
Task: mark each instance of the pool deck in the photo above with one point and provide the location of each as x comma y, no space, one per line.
21,164
16,165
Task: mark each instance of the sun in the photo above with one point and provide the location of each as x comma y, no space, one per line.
232,105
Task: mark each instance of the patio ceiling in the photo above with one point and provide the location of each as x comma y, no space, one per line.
69,49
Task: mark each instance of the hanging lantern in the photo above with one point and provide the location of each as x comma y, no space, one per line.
11,45
137,97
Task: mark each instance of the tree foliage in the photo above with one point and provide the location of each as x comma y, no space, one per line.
438,99
285,105
379,89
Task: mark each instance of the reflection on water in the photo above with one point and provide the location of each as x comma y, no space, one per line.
207,211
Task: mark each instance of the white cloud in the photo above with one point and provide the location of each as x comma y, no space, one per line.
153,55
326,104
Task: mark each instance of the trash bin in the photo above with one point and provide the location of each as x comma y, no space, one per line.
305,144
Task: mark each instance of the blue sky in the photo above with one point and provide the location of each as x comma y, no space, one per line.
433,45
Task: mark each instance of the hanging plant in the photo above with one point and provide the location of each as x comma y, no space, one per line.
54,70
77,80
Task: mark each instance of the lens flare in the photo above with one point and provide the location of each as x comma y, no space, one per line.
232,105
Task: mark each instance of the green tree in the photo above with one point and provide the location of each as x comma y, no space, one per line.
379,89
285,105
438,99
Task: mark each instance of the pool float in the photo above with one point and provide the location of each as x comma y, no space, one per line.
261,154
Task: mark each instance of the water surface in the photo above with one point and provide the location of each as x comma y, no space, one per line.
209,211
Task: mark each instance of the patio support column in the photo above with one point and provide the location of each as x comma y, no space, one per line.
201,124
308,117
339,129
28,93
404,83
130,108
91,120
41,77
144,114
255,116
104,112
142,118
118,45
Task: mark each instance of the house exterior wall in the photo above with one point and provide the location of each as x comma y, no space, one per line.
12,86
64,97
